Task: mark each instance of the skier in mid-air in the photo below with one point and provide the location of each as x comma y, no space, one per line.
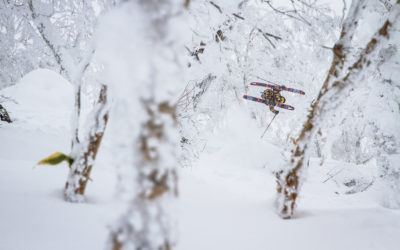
273,96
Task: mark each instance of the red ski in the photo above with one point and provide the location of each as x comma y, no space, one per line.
277,87
276,104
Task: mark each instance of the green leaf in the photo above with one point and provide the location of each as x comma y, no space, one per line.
56,158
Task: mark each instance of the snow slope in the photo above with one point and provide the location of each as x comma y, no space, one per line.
228,201
33,214
226,198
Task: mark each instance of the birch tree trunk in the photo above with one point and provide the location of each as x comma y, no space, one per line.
146,224
85,152
289,180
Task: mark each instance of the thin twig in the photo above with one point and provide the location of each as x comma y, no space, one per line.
286,13
216,6
370,184
236,15
266,37
331,176
274,36
343,11
266,34
298,12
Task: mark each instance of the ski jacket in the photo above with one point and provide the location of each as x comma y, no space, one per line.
272,95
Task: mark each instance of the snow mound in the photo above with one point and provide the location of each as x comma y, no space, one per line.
41,100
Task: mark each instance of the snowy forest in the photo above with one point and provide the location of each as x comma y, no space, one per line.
148,124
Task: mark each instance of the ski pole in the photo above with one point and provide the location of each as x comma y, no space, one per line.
268,126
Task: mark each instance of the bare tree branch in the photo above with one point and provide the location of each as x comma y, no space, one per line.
286,13
237,16
344,11
41,29
216,6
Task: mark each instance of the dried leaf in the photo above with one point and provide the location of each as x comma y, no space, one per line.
55,159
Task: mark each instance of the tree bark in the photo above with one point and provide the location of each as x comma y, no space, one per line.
156,182
80,170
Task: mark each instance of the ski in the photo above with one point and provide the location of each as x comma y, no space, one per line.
280,105
278,87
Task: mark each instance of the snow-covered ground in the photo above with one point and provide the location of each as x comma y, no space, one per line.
226,198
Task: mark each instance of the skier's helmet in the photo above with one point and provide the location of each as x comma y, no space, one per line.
283,100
